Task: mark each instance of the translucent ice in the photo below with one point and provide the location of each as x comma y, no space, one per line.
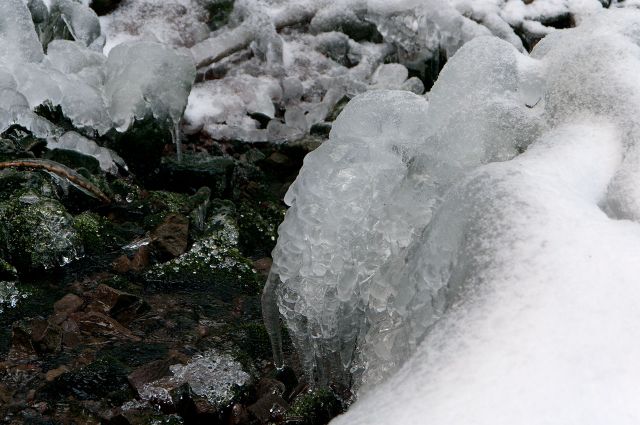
362,196
145,78
513,303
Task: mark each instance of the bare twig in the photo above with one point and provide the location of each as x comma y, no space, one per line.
59,170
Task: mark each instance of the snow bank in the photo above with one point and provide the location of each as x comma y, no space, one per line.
503,285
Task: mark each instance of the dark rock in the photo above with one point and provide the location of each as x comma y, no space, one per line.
194,171
149,373
219,12
46,336
314,407
321,129
99,325
39,233
21,343
270,407
103,7
105,379
120,305
171,238
74,159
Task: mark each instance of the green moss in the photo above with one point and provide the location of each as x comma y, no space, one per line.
258,224
219,11
97,233
315,407
39,233
214,261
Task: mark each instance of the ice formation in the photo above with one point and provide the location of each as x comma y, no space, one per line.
97,93
501,284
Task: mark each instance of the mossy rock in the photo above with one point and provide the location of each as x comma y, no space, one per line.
315,407
219,12
214,261
39,234
194,171
258,224
97,233
141,146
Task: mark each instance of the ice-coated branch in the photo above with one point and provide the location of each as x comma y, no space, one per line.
230,41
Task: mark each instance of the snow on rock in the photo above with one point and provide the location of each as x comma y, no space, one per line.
500,284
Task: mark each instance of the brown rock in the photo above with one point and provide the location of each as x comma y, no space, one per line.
68,304
149,373
263,265
271,407
46,336
171,237
137,263
52,374
70,334
98,324
120,305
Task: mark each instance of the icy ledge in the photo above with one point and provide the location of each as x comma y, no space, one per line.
450,279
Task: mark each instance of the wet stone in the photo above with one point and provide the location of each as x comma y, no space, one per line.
171,238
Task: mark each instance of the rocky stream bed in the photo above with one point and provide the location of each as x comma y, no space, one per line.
144,307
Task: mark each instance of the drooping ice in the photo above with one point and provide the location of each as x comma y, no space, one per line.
513,304
363,196
145,78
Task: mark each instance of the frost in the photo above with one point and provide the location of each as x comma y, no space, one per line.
422,239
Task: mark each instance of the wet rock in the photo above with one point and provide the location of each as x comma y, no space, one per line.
270,407
135,263
98,234
70,303
197,170
122,306
39,233
142,145
96,324
214,261
314,407
52,374
200,389
148,373
105,379
171,238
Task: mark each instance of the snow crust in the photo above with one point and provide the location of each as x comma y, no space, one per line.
451,278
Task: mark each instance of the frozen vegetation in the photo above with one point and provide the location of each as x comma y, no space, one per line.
477,254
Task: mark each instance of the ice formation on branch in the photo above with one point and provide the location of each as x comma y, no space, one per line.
504,283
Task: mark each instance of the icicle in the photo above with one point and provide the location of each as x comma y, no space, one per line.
175,135
271,318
